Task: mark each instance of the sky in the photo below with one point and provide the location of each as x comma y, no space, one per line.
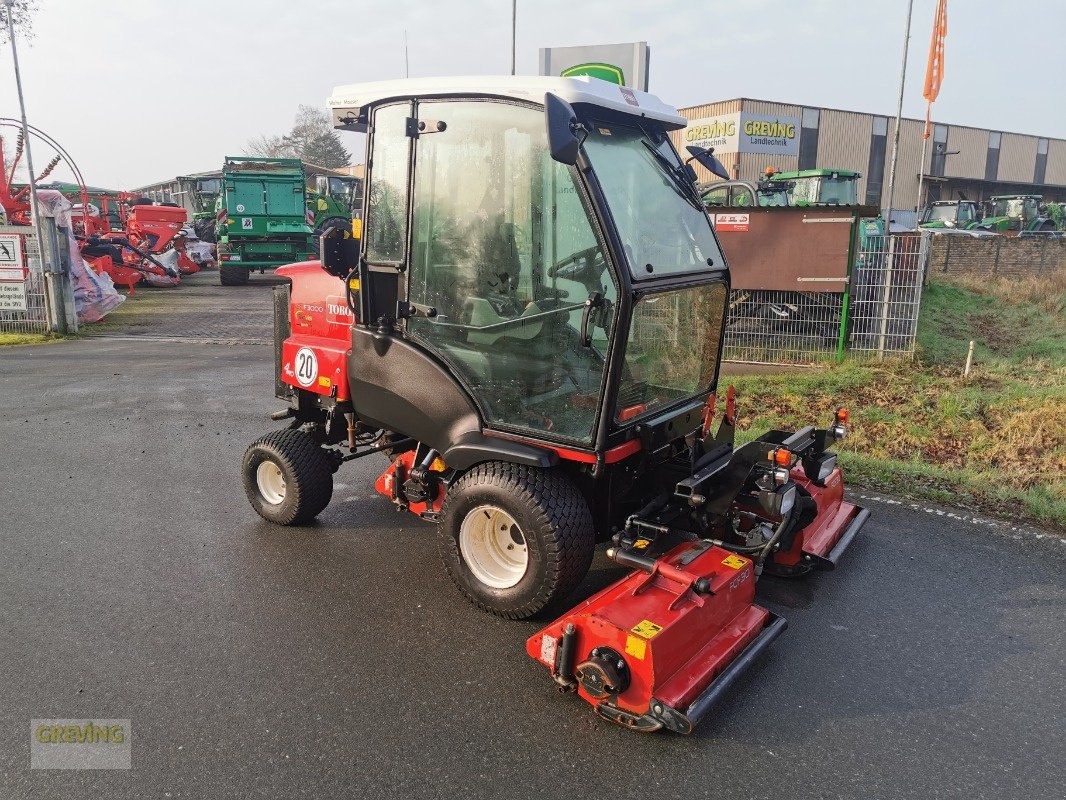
139,91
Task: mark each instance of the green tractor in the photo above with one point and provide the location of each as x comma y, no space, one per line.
201,199
334,201
961,215
1015,213
262,218
820,187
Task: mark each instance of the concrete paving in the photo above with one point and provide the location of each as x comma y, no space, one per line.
337,660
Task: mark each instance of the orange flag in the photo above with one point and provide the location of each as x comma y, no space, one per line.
934,72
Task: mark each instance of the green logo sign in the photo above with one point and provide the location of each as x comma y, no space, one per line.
596,69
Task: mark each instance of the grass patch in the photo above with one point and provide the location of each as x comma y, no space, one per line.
10,339
994,440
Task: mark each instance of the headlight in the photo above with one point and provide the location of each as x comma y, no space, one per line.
778,502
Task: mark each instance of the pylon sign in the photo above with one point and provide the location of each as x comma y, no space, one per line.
623,64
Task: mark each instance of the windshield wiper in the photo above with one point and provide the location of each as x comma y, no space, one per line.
682,185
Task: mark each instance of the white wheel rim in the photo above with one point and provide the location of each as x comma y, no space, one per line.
493,547
271,482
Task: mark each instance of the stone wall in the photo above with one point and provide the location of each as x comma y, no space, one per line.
995,255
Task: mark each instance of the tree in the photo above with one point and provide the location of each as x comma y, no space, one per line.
311,139
327,151
269,146
22,14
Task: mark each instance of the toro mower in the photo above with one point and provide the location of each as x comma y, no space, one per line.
529,326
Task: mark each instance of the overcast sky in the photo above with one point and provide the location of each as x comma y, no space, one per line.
142,90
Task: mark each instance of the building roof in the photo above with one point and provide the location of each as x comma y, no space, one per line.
582,89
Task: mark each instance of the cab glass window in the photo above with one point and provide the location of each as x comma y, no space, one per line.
672,353
386,225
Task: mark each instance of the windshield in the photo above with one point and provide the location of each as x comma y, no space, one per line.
661,222
824,190
342,189
1010,207
940,214
773,198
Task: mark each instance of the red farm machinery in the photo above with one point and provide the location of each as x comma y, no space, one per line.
125,236
529,326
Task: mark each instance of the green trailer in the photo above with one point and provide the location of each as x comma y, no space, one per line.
262,218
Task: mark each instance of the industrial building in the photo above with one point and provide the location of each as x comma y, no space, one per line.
961,162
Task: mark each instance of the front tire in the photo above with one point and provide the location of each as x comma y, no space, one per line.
288,477
515,538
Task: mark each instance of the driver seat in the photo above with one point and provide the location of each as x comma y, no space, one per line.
478,313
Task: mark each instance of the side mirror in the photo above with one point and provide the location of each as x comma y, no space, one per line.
321,184
565,133
338,250
705,156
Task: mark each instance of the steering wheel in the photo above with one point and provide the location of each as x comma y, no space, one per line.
585,267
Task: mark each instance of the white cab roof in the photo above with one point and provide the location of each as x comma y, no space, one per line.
581,89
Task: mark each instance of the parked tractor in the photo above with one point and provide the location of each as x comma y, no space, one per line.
1014,213
530,329
333,202
744,194
200,195
821,187
961,215
262,221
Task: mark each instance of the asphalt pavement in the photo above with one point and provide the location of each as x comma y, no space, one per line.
337,660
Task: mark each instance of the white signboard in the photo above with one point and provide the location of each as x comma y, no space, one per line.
741,132
624,64
11,252
12,274
718,132
12,296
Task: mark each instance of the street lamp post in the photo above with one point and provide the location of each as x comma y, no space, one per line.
60,320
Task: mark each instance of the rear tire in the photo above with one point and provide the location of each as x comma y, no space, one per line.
288,477
330,223
515,538
232,274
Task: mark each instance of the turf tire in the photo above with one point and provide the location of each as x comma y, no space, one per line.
554,519
307,471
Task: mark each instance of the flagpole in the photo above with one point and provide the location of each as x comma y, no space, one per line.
899,118
921,180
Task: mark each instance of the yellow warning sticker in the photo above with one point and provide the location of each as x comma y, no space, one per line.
640,544
734,562
636,647
647,629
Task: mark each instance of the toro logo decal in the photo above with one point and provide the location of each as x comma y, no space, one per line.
306,366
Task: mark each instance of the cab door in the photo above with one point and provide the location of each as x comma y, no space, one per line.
504,255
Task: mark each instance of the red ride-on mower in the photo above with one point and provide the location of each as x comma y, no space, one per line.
530,326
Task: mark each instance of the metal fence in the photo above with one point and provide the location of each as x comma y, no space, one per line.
877,315
783,327
31,293
886,294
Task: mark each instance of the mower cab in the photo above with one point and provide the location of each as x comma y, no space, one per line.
527,320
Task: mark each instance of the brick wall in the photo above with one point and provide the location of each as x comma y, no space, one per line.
995,255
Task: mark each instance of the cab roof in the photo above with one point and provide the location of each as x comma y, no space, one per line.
347,101
815,173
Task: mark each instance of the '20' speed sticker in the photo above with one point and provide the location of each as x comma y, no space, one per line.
306,366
